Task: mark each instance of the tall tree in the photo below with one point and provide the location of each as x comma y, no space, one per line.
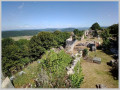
40,43
95,26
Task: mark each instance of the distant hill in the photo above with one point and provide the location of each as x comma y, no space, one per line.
29,32
6,34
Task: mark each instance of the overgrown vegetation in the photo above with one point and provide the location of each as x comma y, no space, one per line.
110,37
17,54
53,70
77,77
78,34
46,40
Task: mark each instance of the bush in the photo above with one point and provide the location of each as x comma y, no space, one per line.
85,52
53,67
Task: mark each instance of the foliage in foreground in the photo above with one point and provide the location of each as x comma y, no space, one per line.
17,54
53,72
14,55
77,77
53,69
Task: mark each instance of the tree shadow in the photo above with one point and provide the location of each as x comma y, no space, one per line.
114,73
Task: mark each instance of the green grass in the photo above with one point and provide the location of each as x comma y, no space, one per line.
28,77
21,37
98,73
57,62
99,53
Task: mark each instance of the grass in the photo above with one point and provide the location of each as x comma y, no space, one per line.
21,37
98,73
29,76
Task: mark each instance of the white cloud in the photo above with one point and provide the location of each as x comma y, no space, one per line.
21,6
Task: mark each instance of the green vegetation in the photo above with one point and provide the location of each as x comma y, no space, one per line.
110,37
95,26
53,69
85,52
6,34
51,72
78,34
46,40
114,33
98,73
13,52
61,37
40,43
77,77
31,72
17,54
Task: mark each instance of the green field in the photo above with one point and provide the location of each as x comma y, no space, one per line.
21,37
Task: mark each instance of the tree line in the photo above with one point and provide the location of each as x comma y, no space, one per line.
18,54
109,35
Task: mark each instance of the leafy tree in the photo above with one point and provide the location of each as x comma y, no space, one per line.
46,40
10,58
113,29
106,39
7,41
105,34
40,43
95,26
61,37
23,45
12,54
78,33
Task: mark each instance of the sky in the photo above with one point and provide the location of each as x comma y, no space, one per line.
59,14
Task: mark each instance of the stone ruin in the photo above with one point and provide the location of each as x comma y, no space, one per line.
97,60
70,44
7,83
21,73
100,86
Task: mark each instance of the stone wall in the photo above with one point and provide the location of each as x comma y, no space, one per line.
70,45
7,83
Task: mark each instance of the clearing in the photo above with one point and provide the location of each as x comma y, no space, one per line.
21,37
98,73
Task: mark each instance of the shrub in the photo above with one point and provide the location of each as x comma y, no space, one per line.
85,52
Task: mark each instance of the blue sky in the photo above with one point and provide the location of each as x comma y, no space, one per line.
38,15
